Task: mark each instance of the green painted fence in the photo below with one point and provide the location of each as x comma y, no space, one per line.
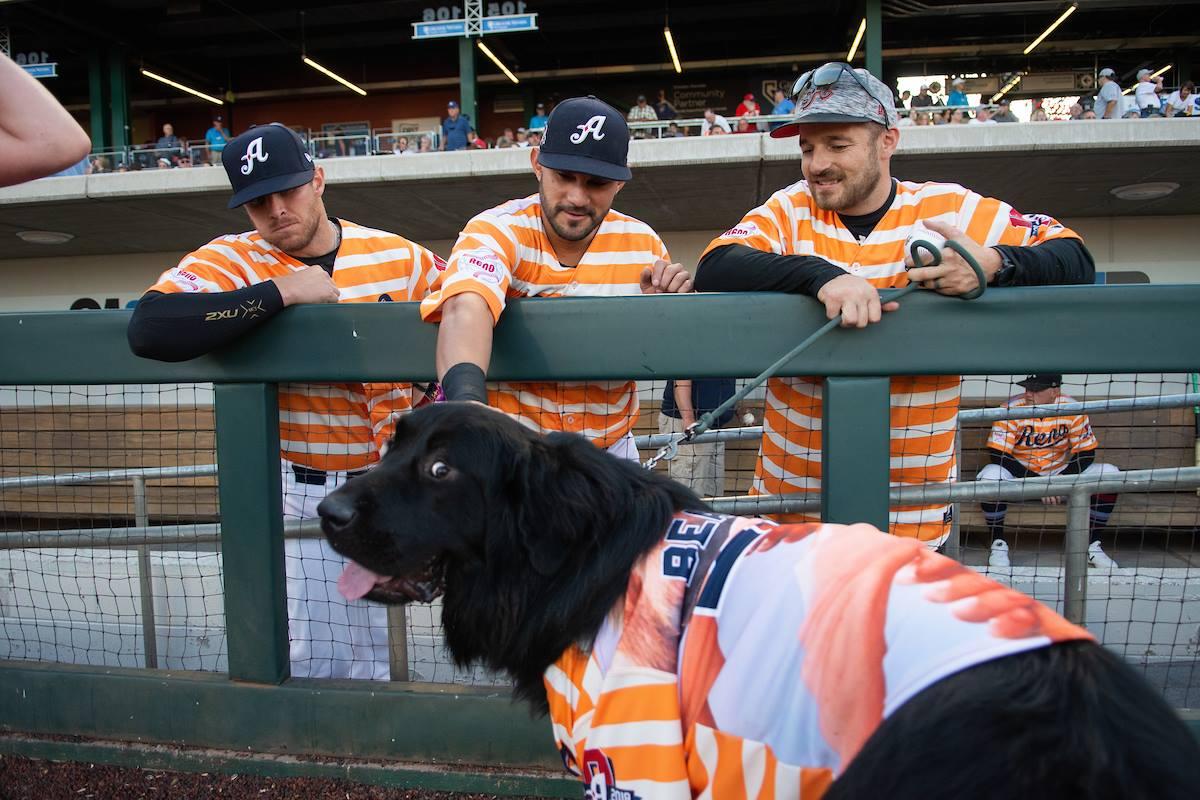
257,707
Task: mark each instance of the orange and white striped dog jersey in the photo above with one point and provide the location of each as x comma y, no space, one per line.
803,639
504,253
1045,444
924,410
323,426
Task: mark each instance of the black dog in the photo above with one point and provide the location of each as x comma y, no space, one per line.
536,541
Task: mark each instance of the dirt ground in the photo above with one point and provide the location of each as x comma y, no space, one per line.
29,779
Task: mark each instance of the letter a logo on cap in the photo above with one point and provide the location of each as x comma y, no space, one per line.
254,152
592,127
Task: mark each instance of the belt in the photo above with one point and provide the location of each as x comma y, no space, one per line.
316,477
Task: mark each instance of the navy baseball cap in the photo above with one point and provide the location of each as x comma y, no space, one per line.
1042,380
589,136
266,159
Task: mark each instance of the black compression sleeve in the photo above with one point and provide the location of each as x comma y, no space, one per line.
1079,462
1016,468
1054,263
176,326
465,381
737,268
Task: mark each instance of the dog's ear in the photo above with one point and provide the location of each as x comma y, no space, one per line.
565,489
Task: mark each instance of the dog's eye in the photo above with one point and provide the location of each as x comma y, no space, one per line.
439,469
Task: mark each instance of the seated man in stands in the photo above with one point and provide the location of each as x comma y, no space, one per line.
1031,448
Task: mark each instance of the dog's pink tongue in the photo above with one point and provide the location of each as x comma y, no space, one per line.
356,580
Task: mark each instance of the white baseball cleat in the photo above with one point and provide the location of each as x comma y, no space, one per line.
1099,559
999,554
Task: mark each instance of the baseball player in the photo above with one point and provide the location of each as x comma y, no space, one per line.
329,433
1030,448
564,241
838,235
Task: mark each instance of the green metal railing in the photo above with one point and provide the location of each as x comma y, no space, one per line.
258,707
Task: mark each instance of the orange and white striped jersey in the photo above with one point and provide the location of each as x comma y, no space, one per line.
337,426
754,660
1046,444
924,412
504,253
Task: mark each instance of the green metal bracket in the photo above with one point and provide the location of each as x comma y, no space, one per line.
247,419
855,419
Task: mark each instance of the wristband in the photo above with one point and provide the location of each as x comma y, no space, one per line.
465,381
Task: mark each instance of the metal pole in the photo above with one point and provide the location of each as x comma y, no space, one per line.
1076,563
398,643
952,547
875,38
141,517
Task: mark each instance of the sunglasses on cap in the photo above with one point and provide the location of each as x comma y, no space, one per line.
827,75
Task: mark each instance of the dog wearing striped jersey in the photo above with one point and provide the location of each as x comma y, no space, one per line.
681,653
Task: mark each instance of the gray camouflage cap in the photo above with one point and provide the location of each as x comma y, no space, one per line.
854,96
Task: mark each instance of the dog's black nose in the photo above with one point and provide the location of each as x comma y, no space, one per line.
337,511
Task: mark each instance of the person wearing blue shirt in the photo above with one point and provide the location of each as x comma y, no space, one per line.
216,137
538,120
957,96
783,105
455,128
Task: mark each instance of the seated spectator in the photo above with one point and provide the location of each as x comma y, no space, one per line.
506,139
1089,114
905,121
783,105
1182,102
1132,113
1076,111
957,96
1039,115
538,120
958,117
905,98
1043,446
663,108
426,145
100,166
474,142
941,117
1004,113
921,118
922,98
984,116
748,107
164,163
935,91
535,138
642,112
744,126
673,132
400,148
522,139
1146,94
713,120
716,130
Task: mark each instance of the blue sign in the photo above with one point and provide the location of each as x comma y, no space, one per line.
510,23
42,70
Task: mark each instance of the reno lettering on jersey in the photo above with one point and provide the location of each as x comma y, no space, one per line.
1044,445
322,426
847,623
924,409
504,253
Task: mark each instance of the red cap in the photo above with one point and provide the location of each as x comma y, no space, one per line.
748,97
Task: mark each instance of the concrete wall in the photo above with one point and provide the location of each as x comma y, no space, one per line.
1162,247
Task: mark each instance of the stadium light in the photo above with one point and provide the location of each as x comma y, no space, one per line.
334,75
181,87
1153,75
671,47
1053,25
497,62
1006,88
862,28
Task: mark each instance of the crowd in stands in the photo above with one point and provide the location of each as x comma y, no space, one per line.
930,106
